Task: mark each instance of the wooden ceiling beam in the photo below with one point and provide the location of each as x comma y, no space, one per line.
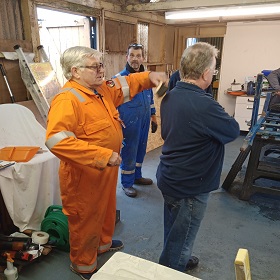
187,4
84,7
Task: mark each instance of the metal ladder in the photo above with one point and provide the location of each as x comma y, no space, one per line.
39,79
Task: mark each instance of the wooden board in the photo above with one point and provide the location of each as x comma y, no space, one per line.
119,35
16,84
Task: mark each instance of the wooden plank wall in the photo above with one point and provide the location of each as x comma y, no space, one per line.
160,53
114,63
118,36
11,20
11,34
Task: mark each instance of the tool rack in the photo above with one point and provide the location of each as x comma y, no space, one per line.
263,144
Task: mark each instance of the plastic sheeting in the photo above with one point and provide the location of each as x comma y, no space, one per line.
29,188
123,266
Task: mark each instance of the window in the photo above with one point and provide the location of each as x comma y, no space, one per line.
142,37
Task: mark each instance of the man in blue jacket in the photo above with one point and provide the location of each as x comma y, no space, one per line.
195,129
136,116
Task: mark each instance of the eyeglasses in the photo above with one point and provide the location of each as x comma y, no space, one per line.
135,45
95,67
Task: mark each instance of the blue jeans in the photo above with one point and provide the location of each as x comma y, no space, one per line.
182,218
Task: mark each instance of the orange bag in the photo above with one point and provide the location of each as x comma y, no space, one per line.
18,153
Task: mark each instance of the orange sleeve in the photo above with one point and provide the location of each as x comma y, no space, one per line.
137,82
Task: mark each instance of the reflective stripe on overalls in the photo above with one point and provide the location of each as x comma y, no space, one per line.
56,138
125,87
131,171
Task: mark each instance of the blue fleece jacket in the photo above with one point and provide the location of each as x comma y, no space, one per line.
195,129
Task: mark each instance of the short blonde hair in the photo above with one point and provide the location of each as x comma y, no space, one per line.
75,57
196,59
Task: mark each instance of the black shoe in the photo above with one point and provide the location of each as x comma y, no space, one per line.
84,276
116,245
192,263
143,181
131,192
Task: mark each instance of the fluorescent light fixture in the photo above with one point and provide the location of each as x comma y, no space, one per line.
251,10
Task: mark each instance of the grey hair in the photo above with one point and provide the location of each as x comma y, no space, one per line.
75,57
196,59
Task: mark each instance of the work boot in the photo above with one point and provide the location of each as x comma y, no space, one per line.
131,192
116,245
192,263
143,181
84,276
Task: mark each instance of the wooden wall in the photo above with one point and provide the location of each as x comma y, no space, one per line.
195,31
118,35
11,20
11,34
15,82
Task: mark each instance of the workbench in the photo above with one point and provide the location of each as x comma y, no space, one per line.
263,144
264,160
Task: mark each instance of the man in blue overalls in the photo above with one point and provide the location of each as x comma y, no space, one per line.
136,116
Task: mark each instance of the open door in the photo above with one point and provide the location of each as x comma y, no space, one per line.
59,31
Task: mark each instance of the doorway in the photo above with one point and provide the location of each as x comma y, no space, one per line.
59,31
218,43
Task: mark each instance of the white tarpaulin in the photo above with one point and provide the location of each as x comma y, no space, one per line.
123,266
28,188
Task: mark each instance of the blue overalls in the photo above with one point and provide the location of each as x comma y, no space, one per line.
136,115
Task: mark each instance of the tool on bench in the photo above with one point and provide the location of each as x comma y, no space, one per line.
6,81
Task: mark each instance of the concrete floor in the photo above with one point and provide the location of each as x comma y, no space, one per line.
229,224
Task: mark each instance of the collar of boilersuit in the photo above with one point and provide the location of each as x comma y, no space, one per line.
78,86
131,70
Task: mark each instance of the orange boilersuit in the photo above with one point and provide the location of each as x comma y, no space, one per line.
84,129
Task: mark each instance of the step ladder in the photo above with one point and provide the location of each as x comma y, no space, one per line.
40,80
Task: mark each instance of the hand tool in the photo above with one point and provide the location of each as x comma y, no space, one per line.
5,78
161,89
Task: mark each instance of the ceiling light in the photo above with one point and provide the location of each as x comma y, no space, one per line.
225,12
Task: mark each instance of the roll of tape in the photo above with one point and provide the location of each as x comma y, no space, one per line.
40,237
